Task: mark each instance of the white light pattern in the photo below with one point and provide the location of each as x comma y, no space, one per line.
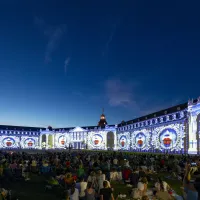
193,112
96,140
29,142
123,140
62,140
177,144
9,141
134,140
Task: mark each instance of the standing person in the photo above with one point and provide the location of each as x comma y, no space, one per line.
89,192
82,187
92,178
100,179
26,169
106,192
73,193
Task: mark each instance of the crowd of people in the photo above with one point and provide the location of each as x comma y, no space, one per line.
89,175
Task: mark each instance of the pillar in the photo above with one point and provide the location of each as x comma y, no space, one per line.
47,144
53,141
192,134
105,139
40,141
115,140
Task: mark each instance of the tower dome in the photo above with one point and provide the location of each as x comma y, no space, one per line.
102,122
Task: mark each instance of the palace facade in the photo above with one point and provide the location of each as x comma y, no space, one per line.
174,130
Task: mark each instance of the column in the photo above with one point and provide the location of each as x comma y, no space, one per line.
115,140
192,134
105,138
52,141
40,141
47,137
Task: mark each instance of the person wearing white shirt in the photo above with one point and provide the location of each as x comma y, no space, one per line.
161,185
115,161
126,163
100,179
73,193
82,187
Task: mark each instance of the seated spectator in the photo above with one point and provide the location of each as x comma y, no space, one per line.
114,175
134,178
52,181
13,165
91,162
126,163
1,169
145,198
3,193
137,193
144,168
161,185
45,164
68,164
126,173
145,183
115,161
164,195
141,173
34,166
162,163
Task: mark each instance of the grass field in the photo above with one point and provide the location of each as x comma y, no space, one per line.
35,189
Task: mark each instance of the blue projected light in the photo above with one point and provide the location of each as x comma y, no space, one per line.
123,141
96,140
62,141
168,138
140,140
8,142
29,142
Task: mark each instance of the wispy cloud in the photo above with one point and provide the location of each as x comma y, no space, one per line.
114,27
132,95
119,93
67,60
54,35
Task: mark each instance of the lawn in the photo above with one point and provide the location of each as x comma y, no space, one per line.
35,188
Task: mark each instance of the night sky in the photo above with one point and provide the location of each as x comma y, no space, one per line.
62,61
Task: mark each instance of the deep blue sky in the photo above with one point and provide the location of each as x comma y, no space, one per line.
62,61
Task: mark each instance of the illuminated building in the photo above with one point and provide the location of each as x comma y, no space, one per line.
175,130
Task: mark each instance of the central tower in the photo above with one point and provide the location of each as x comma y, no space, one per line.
102,123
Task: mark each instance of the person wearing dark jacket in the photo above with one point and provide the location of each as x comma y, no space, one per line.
134,178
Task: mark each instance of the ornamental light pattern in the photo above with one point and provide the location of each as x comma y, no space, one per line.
169,137
140,139
124,140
